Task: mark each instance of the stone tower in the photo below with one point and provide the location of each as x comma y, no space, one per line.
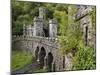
39,23
53,28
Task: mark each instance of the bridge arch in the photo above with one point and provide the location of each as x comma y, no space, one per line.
49,61
42,55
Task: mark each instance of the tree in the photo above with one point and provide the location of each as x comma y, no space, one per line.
22,13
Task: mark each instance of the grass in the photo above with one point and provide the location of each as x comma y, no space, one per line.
40,71
20,59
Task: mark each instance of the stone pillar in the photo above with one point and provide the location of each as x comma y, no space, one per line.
45,62
24,30
38,54
53,28
32,30
53,67
29,30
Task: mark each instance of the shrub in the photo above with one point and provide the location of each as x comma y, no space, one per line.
85,58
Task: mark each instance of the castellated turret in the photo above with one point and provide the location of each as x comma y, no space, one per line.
38,26
53,28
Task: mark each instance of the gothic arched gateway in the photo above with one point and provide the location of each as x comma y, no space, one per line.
49,61
42,55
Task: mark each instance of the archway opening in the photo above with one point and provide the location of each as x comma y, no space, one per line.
46,32
36,53
42,55
86,35
49,62
63,61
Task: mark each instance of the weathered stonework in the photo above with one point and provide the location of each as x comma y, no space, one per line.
83,15
53,28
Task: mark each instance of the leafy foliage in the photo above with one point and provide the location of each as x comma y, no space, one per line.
85,58
70,31
22,13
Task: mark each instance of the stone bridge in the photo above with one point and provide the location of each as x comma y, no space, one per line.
45,49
